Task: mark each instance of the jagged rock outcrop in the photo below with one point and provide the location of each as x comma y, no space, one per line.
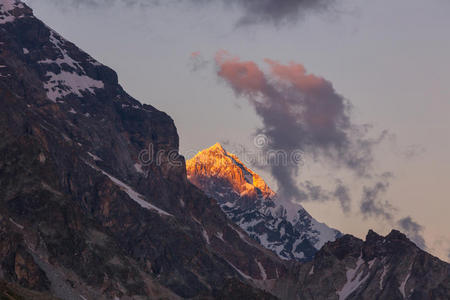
285,228
390,267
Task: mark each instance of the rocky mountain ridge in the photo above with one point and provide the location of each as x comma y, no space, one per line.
390,267
285,228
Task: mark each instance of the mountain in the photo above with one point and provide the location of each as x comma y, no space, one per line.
95,202
82,214
285,228
390,267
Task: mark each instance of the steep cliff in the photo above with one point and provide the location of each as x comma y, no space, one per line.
94,199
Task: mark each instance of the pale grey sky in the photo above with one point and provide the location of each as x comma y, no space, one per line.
389,58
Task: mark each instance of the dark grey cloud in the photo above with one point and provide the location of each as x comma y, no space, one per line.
372,202
65,5
301,114
318,193
342,194
276,12
315,192
413,230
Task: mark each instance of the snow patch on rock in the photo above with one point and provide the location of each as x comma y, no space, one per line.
220,236
94,157
240,272
7,8
205,235
135,196
71,79
138,168
354,280
382,277
262,270
403,284
17,224
242,236
65,83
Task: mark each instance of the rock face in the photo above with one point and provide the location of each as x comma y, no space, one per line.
390,267
285,228
82,212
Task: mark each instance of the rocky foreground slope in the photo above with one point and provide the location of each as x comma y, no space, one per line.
80,214
285,228
84,216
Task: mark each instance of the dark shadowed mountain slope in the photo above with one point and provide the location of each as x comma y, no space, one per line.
80,214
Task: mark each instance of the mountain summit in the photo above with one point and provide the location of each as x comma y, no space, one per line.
283,227
216,162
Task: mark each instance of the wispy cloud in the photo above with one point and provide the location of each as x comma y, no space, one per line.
275,12
278,12
302,111
342,194
197,61
413,230
372,202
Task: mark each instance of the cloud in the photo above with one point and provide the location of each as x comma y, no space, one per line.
440,246
372,204
342,194
414,151
413,231
315,192
301,113
197,61
276,12
318,193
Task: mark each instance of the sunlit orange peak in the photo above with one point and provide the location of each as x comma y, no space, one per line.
217,164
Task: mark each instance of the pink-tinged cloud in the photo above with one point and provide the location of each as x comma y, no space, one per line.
305,97
244,76
321,112
296,74
299,111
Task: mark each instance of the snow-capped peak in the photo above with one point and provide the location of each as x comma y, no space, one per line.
216,162
282,226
